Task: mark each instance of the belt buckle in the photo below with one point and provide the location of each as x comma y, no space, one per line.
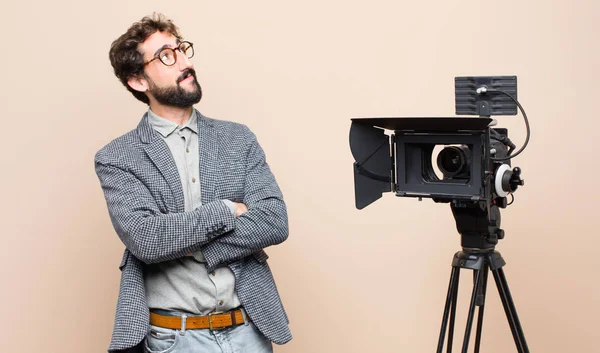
210,322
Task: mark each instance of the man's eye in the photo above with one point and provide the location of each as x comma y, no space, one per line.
166,56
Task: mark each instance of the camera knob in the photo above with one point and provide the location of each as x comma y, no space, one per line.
515,179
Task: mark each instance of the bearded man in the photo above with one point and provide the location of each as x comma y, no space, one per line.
195,203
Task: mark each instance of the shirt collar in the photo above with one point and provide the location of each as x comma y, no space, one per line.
167,127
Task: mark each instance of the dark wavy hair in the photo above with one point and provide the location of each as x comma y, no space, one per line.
126,59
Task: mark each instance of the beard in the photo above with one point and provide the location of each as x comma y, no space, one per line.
176,96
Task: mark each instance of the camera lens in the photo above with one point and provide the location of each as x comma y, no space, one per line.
453,161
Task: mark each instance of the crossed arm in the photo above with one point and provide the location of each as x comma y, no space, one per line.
264,224
153,236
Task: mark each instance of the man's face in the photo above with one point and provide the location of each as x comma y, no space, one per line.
174,85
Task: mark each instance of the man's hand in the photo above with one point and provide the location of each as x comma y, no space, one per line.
240,208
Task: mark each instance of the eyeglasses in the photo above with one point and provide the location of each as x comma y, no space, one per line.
167,55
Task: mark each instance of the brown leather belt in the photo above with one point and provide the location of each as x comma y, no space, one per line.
213,321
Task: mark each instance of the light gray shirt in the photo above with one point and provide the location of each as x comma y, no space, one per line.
184,284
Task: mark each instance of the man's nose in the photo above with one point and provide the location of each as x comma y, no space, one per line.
183,61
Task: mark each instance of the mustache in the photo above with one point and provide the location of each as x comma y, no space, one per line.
186,74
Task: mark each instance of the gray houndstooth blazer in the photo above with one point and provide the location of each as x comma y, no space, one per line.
146,206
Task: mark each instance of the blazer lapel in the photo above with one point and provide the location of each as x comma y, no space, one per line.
160,155
209,150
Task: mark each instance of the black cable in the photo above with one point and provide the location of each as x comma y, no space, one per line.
483,91
511,201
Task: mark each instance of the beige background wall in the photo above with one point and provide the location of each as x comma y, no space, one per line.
296,72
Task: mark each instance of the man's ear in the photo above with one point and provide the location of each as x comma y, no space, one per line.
138,83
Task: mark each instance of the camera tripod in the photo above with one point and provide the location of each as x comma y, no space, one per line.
480,261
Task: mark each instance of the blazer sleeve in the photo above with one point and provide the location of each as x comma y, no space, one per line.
149,234
266,221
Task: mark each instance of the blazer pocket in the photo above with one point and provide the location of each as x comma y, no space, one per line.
260,256
124,259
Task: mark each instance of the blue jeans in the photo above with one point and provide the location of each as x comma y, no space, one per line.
243,338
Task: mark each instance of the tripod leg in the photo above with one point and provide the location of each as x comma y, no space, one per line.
481,308
453,313
478,279
450,299
511,311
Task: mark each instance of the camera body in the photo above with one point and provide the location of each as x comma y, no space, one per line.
472,175
463,161
472,170
405,158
